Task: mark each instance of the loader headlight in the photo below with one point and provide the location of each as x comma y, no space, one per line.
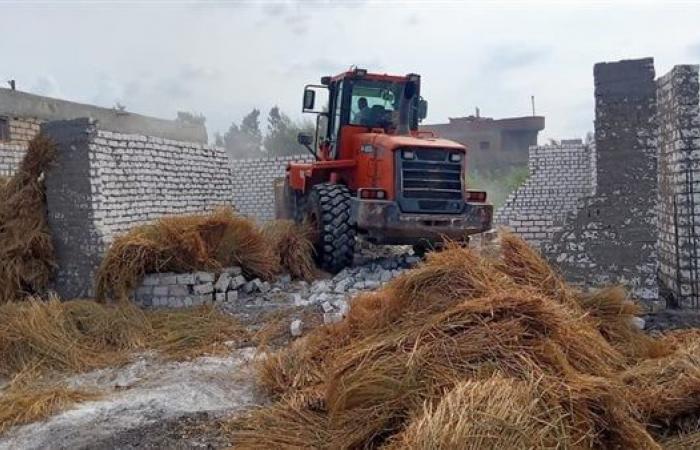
455,157
408,154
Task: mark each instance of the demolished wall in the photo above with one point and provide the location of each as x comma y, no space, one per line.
612,238
253,183
104,183
559,176
679,184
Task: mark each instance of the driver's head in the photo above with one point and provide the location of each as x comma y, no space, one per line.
362,103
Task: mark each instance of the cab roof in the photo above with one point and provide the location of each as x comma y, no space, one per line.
365,75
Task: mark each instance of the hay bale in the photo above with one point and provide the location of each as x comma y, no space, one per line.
526,267
26,249
684,441
292,423
185,244
294,246
495,413
665,389
612,312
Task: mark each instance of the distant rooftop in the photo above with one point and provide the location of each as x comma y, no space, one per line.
530,123
23,104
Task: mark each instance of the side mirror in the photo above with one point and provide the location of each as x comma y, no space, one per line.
422,109
309,100
305,139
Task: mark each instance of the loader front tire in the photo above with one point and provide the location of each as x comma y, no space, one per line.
329,215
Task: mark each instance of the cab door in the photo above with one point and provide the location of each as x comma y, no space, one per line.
336,119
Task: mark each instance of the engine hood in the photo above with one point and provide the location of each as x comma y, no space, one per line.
392,142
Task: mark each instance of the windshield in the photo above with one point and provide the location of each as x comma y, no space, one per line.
375,103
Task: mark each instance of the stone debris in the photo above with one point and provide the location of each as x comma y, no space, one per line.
332,317
296,328
229,289
223,283
638,323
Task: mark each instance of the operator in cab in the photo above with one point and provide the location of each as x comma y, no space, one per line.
362,116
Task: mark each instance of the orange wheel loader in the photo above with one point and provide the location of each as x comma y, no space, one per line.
375,174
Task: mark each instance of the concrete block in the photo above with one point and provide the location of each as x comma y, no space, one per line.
160,291
186,278
204,277
167,279
223,283
151,279
178,290
205,288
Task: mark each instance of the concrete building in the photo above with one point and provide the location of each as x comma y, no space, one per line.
492,143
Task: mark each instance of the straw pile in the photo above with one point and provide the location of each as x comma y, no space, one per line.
80,335
471,352
184,244
29,398
292,242
26,250
40,340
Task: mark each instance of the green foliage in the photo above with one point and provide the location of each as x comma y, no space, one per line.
192,118
244,141
282,131
498,183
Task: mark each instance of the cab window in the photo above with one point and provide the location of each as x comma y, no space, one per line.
375,103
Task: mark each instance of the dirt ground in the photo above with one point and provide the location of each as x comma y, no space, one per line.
148,404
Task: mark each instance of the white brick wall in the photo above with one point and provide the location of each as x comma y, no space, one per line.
135,179
560,175
253,183
10,157
679,184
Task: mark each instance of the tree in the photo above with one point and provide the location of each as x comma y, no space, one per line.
281,137
244,141
188,117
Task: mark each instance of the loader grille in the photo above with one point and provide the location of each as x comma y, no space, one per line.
430,182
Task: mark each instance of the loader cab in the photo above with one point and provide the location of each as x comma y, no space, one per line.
360,102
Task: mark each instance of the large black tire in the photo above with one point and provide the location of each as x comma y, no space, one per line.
328,211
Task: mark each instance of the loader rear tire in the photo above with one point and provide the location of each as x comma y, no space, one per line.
329,214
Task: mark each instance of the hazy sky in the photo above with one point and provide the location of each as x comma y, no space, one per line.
222,59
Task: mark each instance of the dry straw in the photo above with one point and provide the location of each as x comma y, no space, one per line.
28,398
292,242
185,244
26,250
447,353
75,336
